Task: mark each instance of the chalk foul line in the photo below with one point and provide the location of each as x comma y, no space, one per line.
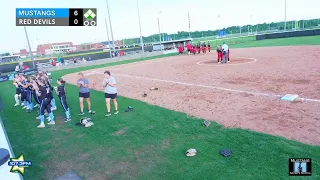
218,88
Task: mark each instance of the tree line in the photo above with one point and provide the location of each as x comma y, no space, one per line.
290,25
4,54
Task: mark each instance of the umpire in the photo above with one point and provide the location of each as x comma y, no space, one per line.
225,49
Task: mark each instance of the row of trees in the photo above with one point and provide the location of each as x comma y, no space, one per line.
4,54
290,25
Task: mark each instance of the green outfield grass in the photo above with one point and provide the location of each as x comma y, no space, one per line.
293,41
232,40
148,143
250,41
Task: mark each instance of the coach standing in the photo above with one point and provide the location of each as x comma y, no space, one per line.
225,49
84,93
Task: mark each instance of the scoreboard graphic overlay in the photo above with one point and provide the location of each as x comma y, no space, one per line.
56,17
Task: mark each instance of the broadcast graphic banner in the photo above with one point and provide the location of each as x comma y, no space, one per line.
56,17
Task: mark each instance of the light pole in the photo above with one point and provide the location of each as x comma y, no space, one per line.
189,25
114,48
141,39
251,23
219,25
285,15
30,51
108,36
51,50
269,27
159,32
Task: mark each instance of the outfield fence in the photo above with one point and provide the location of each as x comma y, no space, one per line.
69,64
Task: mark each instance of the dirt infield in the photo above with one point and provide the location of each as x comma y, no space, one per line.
245,93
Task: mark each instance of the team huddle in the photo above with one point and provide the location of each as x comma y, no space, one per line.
223,52
195,48
39,88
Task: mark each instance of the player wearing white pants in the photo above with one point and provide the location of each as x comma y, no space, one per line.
17,96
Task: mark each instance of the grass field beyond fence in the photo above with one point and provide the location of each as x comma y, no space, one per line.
148,143
250,41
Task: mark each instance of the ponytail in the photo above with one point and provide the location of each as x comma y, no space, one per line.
61,80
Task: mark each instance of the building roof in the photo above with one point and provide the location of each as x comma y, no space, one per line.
55,43
173,41
107,42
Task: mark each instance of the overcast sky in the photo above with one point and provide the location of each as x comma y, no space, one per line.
174,17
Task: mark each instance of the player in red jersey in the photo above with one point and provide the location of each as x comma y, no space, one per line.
189,48
219,53
198,48
180,49
209,47
204,48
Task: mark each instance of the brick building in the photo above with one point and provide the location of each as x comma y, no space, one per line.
55,48
23,52
64,47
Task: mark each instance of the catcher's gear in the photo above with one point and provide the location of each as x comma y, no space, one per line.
129,109
206,123
191,152
226,152
86,122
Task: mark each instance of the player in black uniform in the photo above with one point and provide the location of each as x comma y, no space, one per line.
29,96
21,84
61,92
43,91
53,101
49,96
33,79
26,93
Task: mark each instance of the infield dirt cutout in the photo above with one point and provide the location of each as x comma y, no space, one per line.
245,95
233,62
